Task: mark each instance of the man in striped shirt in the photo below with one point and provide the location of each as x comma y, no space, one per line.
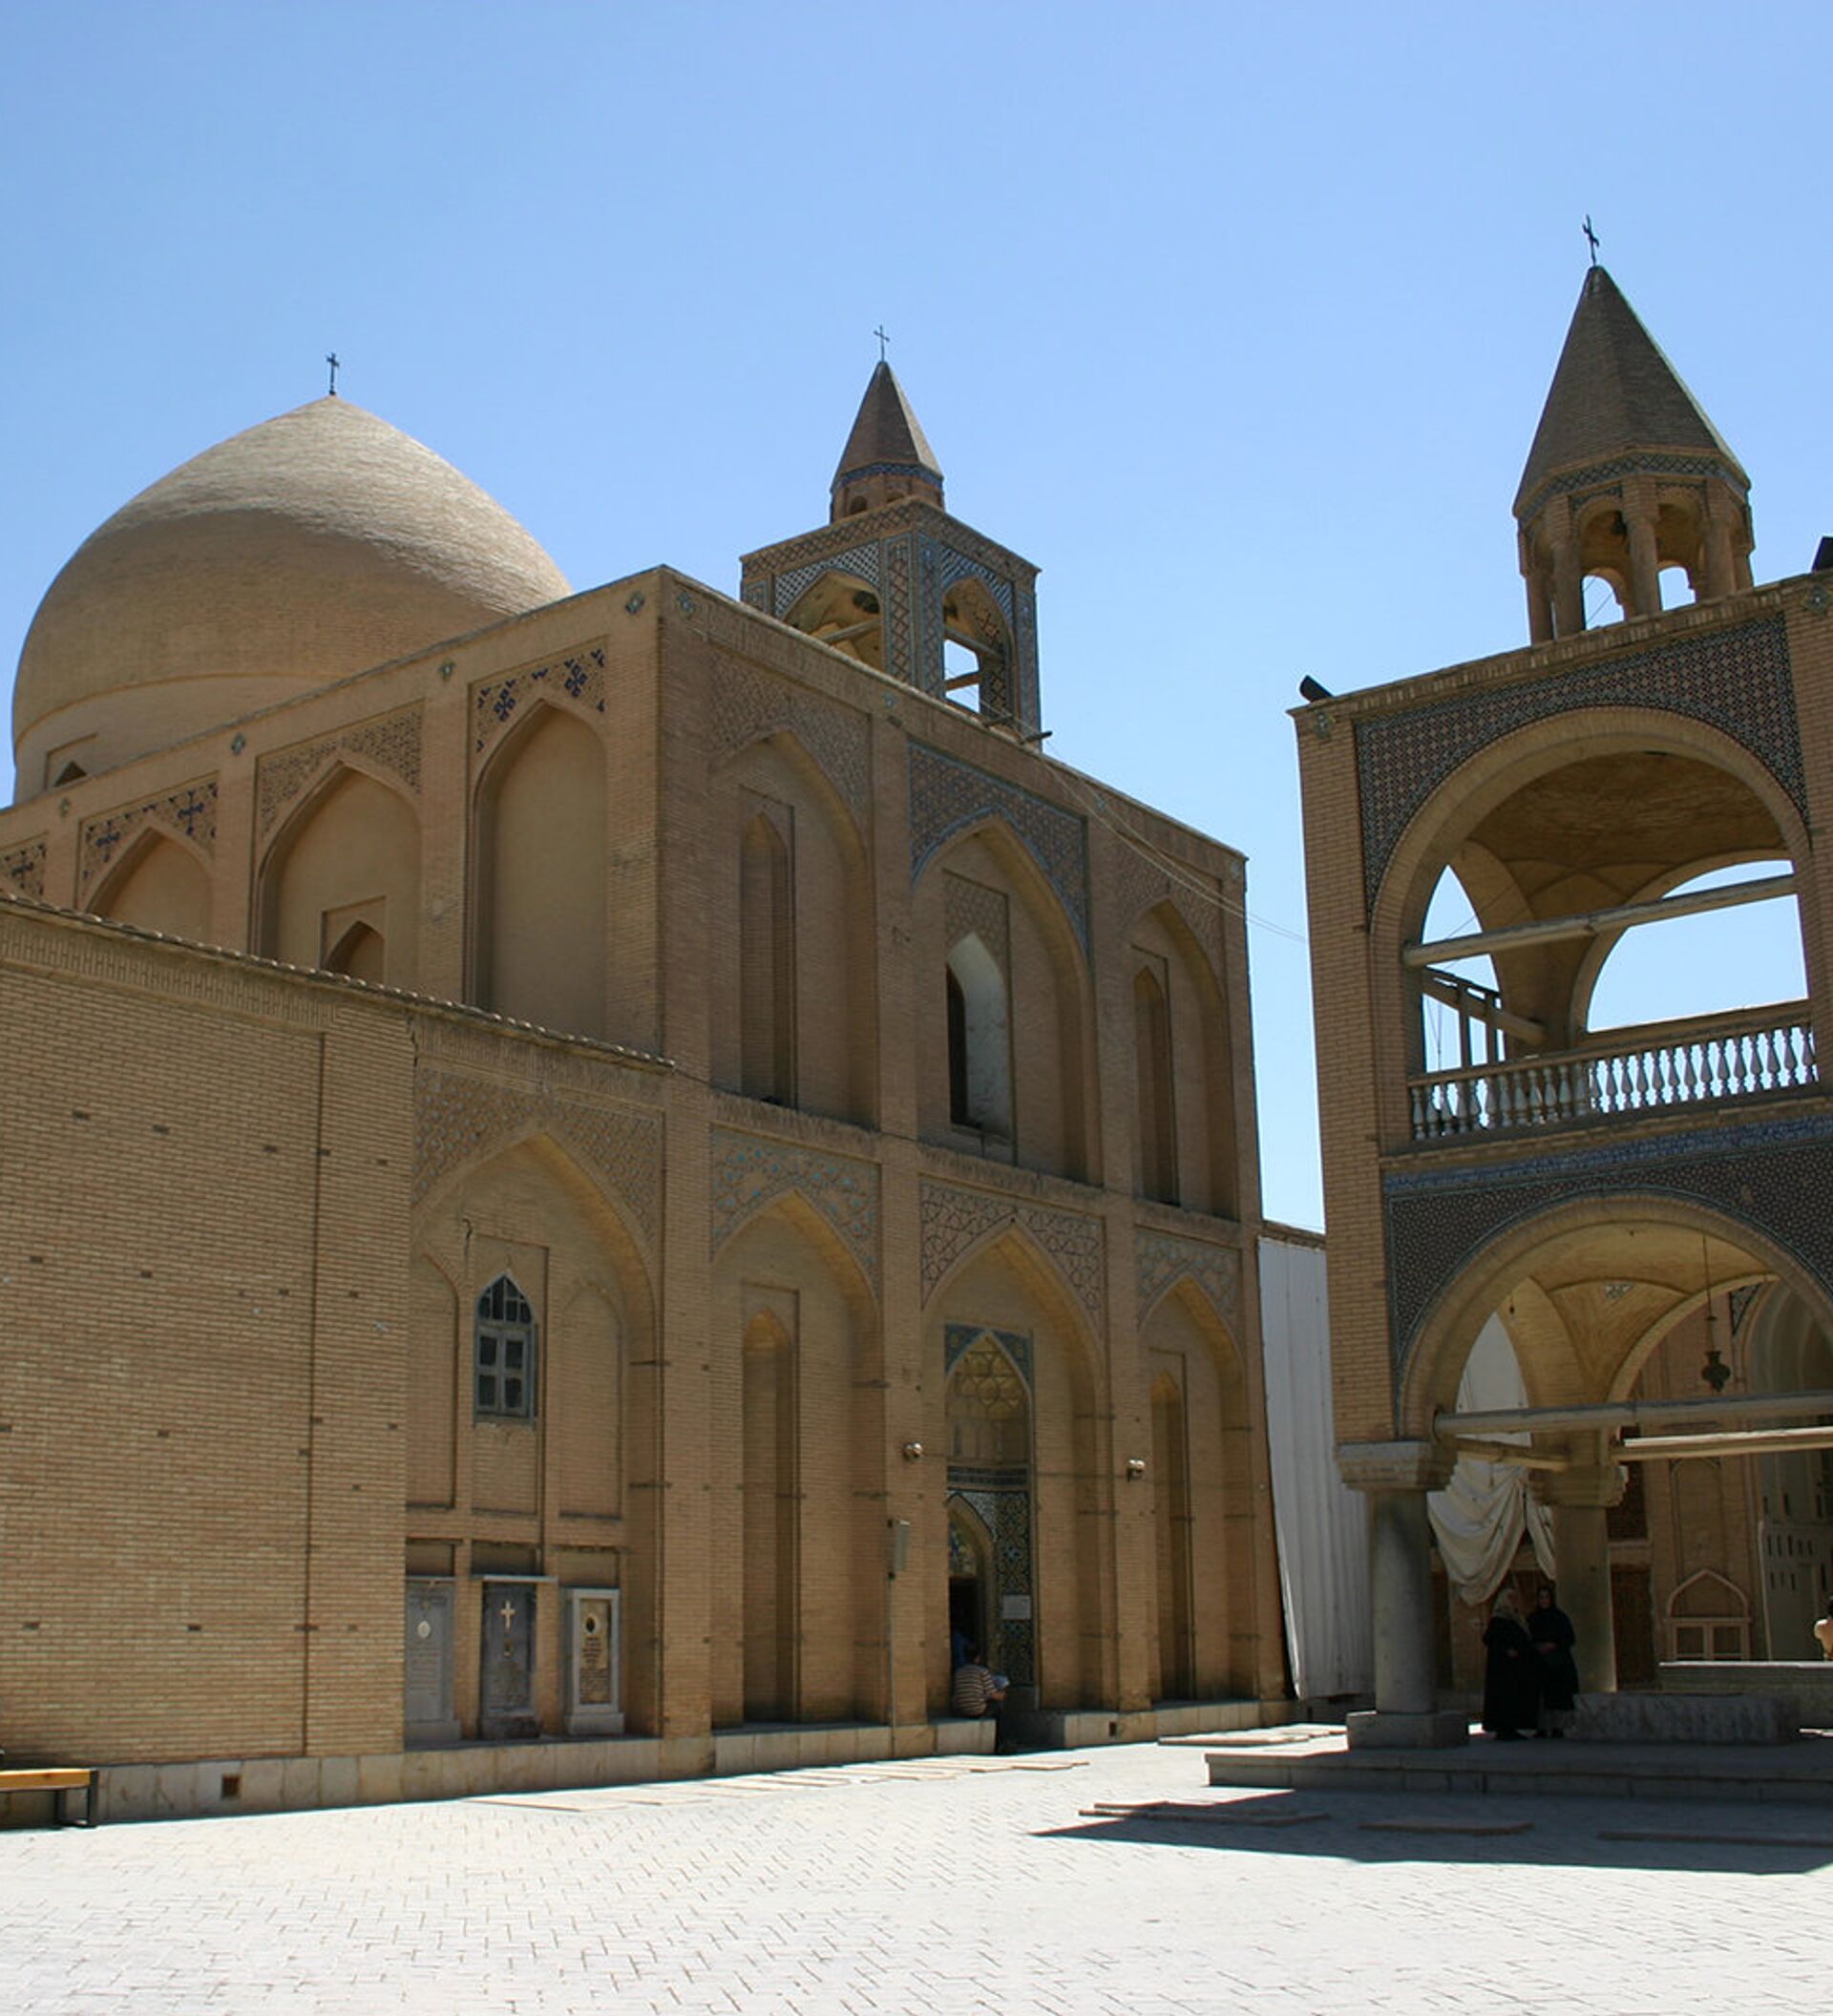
975,1689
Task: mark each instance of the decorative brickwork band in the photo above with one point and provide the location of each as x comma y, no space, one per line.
749,704
574,681
456,1118
1162,1258
22,868
1593,474
1735,681
1775,1176
948,796
391,744
955,1219
749,1173
190,812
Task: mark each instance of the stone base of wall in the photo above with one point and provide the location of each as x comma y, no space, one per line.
1807,1685
228,1785
1089,1728
1685,1718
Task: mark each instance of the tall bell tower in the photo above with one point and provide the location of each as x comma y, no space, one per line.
1626,477
899,582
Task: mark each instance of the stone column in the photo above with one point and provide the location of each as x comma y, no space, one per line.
1722,565
1540,590
1580,1501
1645,563
1397,1475
1568,587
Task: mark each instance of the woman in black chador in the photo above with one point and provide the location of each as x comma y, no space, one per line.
1511,1682
1554,1636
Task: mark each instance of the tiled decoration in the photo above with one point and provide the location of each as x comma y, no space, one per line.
749,704
1594,474
860,561
749,1173
1162,1258
189,813
574,681
22,868
391,744
1775,1176
457,1117
970,907
990,1371
956,1219
1735,681
899,657
947,796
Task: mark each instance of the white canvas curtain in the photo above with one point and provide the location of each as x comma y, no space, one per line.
1478,1517
1320,1524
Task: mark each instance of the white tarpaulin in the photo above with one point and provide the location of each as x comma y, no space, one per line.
1478,1517
1322,1525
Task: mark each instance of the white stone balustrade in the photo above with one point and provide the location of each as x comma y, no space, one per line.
1641,1071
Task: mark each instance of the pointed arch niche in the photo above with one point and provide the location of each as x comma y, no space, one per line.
1010,1399
348,856
1001,958
159,884
792,998
538,922
568,1490
1183,1082
1203,1503
795,1522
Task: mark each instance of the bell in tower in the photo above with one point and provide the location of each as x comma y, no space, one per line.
1625,477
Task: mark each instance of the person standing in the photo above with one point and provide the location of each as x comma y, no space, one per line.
1511,1688
1556,1669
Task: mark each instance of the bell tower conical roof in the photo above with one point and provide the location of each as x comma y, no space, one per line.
1627,479
887,455
1613,393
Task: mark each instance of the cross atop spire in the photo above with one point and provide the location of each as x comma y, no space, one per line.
1590,237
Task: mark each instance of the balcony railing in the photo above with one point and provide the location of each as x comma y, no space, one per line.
1635,1073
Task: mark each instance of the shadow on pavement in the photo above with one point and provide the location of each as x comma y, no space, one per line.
1600,1834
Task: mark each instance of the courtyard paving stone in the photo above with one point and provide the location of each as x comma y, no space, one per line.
941,1887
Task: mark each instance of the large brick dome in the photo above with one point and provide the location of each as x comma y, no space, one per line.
313,546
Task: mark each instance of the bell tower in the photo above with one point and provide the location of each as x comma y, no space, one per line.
1626,477
896,581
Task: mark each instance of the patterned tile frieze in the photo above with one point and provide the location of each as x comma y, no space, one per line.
391,744
1620,466
750,1171
898,660
926,619
1160,1258
190,811
456,1116
958,566
1775,1176
818,545
22,868
955,1219
748,704
574,680
972,907
946,796
1735,681
792,586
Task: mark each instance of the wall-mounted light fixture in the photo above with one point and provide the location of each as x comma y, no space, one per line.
913,1452
1135,1468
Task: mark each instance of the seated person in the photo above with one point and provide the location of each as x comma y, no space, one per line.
975,1689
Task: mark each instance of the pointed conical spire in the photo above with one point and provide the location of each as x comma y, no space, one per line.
1614,394
887,455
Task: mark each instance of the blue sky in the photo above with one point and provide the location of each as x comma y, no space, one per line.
1237,322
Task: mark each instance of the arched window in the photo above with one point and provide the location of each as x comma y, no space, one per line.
980,1040
503,1352
1156,1109
767,965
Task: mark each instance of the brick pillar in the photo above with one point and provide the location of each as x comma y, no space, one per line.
1580,1501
